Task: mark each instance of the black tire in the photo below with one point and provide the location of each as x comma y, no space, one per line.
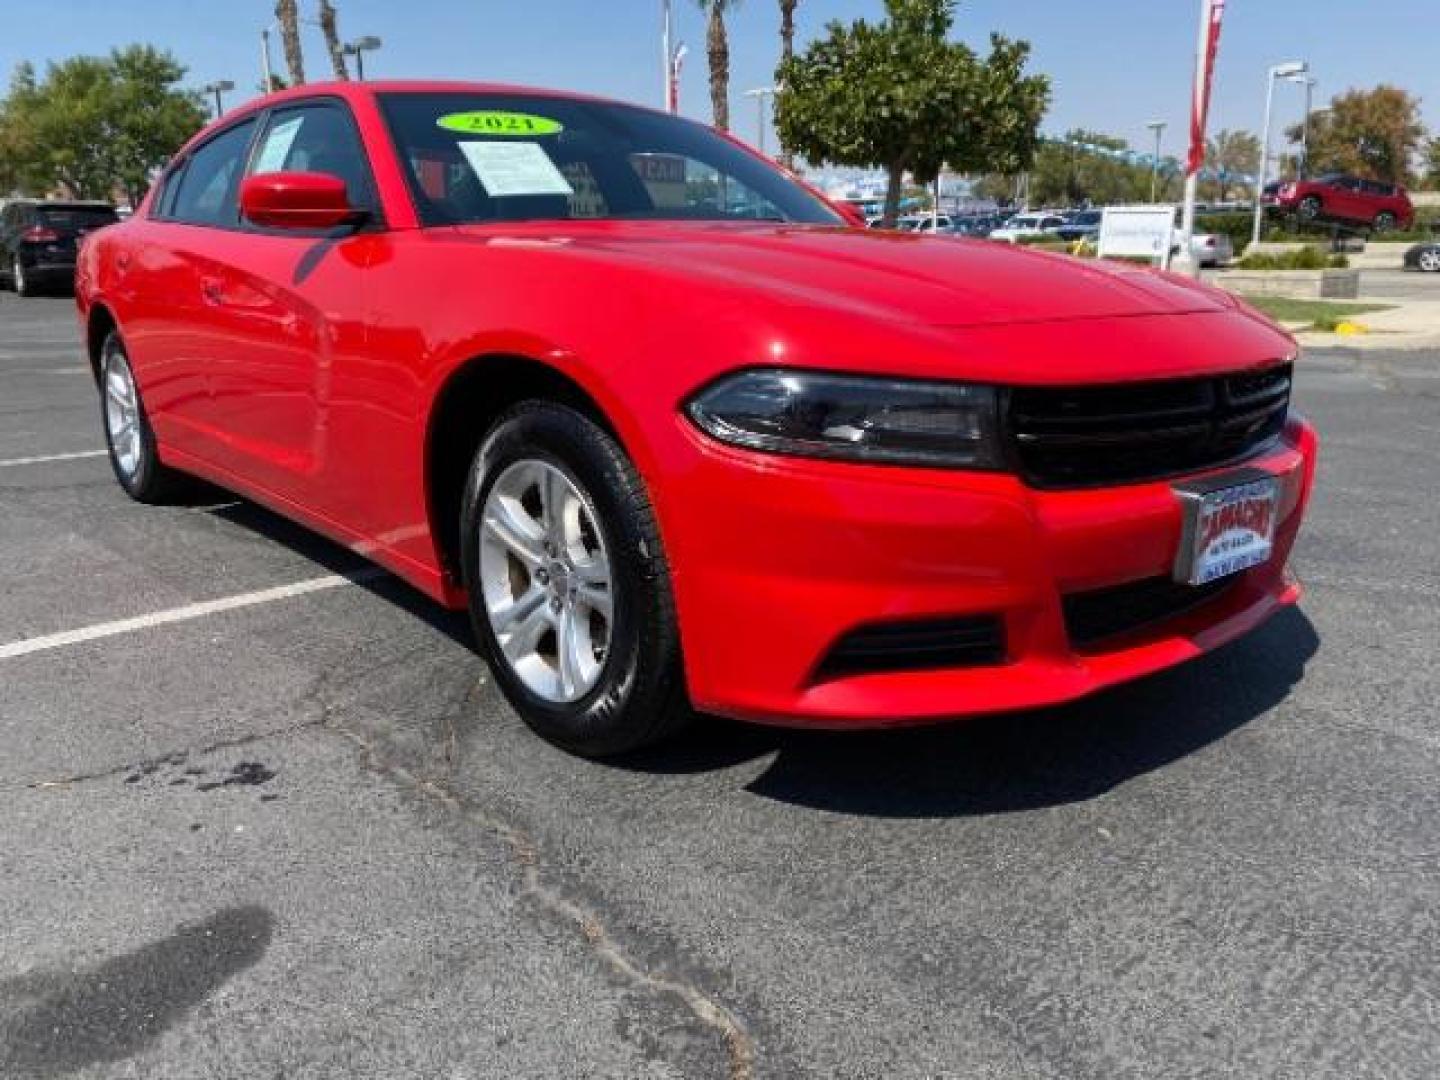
1384,221
1309,208
149,481
639,698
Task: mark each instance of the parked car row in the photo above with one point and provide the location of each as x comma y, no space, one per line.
1070,226
39,240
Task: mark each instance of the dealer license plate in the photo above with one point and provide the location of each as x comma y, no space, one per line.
1227,530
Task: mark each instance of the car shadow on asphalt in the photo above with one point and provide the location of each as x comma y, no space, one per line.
335,558
987,765
1017,761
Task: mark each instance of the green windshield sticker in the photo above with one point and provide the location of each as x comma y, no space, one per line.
499,123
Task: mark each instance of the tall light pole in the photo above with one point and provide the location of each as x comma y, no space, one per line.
358,48
666,60
760,93
222,86
1158,127
1280,71
265,70
1309,83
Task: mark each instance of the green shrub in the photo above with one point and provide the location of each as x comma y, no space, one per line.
1305,258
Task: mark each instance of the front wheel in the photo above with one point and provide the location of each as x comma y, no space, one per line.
1309,208
569,590
1429,261
1384,221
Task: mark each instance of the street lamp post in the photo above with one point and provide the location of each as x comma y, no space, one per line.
1280,71
666,30
358,48
1309,84
222,86
265,68
760,93
1158,127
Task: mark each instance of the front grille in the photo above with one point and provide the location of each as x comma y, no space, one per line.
1102,613
1085,436
916,645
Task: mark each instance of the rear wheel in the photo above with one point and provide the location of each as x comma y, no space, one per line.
128,434
1384,221
1309,208
569,590
1429,260
23,285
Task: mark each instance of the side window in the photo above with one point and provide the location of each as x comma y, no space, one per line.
316,138
207,188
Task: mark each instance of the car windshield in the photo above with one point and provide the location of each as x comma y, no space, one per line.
514,157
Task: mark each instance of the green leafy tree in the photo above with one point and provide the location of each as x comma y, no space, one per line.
95,124
1370,133
1231,154
1073,171
1432,164
900,95
717,51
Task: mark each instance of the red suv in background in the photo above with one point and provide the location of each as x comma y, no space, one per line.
1347,198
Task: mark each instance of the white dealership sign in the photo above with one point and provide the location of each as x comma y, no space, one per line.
1138,231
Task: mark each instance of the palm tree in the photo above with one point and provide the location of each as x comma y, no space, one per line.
787,28
787,50
288,14
717,46
331,30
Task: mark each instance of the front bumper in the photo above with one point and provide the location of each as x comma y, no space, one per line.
775,559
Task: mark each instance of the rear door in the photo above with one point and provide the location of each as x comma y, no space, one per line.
173,327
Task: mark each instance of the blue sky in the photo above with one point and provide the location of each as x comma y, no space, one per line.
1115,63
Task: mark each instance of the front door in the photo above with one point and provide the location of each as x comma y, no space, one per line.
293,306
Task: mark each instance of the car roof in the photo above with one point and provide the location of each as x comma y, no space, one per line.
351,91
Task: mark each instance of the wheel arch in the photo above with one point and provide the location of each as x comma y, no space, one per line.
99,324
473,395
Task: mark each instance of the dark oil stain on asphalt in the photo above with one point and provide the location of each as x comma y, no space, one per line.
53,1023
245,774
163,769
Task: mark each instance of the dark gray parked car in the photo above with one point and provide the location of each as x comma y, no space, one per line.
1424,256
39,239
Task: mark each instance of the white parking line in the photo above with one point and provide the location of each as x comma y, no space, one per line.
182,614
12,462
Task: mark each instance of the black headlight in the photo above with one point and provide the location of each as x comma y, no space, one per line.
857,418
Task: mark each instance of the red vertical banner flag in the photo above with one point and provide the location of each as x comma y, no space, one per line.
1204,73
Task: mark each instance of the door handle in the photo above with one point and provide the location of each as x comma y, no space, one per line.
210,289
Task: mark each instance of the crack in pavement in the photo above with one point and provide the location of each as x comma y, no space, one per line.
740,1048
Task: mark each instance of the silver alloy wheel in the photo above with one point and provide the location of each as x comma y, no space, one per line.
1430,261
17,275
545,576
122,411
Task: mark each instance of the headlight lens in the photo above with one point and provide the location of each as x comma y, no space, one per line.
856,418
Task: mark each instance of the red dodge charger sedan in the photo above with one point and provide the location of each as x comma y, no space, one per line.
677,434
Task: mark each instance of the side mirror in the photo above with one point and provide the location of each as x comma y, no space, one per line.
297,200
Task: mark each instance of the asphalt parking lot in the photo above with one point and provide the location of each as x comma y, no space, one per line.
299,835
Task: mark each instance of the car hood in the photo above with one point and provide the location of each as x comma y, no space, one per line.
933,281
